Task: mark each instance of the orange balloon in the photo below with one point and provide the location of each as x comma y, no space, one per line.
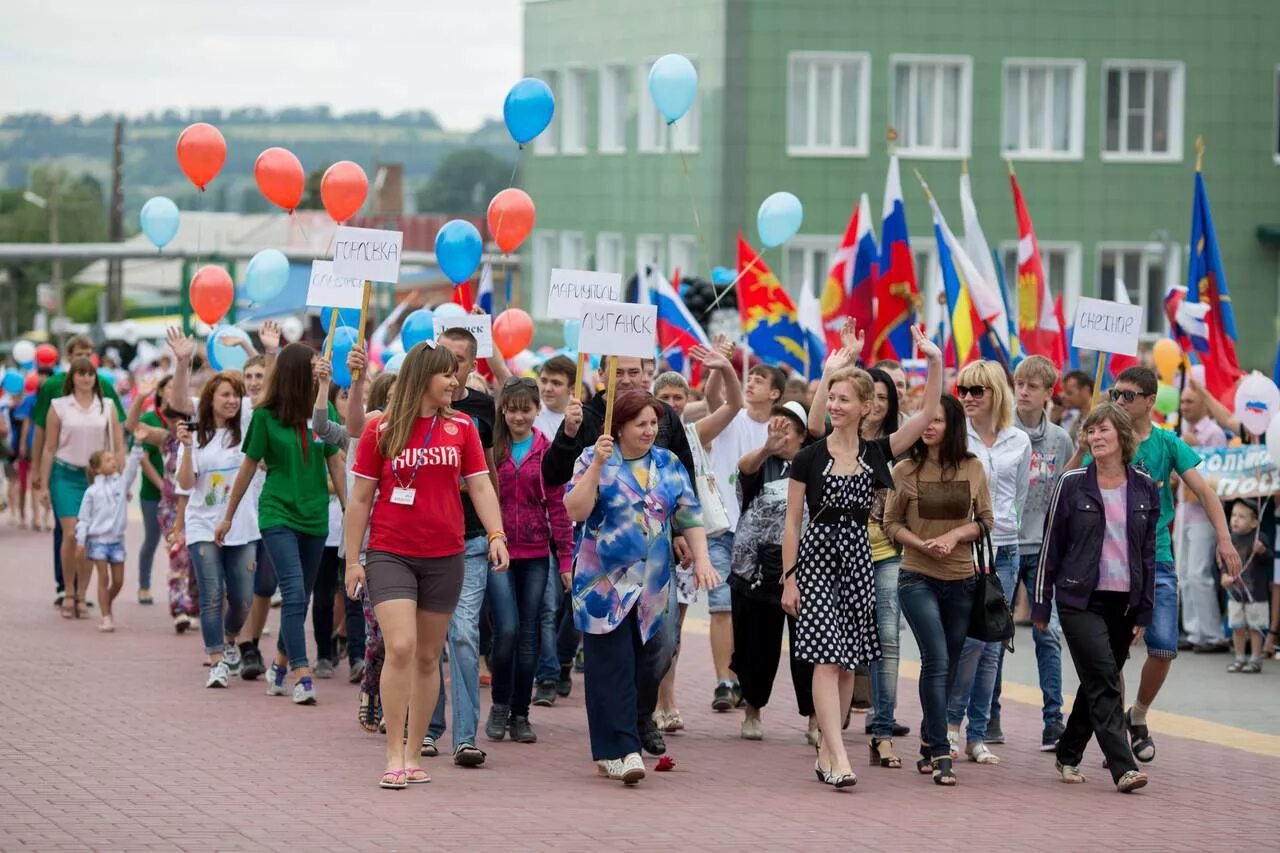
280,177
1167,356
343,190
511,216
512,332
201,153
211,293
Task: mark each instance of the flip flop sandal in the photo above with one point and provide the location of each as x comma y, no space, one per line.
393,780
416,775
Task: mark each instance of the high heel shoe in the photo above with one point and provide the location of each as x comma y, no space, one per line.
841,780
884,758
942,772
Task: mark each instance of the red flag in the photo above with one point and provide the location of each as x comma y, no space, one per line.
462,296
1039,327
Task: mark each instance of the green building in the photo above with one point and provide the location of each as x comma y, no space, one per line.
1097,102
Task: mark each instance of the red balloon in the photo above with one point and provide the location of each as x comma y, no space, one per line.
511,216
31,383
201,153
512,332
211,293
93,359
280,177
46,355
343,190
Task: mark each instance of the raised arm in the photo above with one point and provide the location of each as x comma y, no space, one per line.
906,435
133,417
717,365
183,347
358,364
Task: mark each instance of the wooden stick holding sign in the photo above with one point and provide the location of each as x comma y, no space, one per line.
328,339
580,377
364,314
611,394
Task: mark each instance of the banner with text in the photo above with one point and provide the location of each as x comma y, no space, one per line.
1107,326
618,328
479,325
327,290
1239,472
570,290
369,254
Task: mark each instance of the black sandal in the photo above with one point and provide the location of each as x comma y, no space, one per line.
942,772
924,766
469,755
881,758
1140,740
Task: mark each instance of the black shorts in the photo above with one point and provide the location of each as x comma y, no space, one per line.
433,582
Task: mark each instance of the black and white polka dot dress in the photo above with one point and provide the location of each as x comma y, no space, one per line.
836,579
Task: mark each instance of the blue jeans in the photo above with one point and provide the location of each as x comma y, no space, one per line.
1048,652
222,573
548,660
464,649
517,598
979,666
938,614
296,557
150,540
264,574
1161,637
884,672
720,550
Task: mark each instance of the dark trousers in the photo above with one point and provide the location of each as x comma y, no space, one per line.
612,662
938,615
757,646
516,599
568,637
355,623
655,660
57,555
322,603
1098,638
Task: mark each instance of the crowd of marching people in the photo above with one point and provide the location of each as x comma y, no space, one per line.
518,530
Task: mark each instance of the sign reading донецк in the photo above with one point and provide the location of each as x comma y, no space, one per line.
1107,326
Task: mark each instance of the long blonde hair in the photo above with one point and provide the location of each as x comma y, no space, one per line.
422,363
991,376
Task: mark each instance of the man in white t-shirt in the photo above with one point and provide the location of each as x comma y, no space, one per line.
555,385
747,432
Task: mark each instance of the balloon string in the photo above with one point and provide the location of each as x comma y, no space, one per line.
732,284
199,224
511,182
693,202
306,238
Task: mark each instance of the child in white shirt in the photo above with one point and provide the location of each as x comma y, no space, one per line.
102,521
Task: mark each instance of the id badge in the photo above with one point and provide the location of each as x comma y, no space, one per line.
403,496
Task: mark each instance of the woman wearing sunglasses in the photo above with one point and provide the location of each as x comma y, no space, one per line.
1005,454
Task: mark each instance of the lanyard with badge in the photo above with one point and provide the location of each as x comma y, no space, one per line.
403,493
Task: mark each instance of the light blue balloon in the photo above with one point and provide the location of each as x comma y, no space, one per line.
266,275
450,309
13,382
779,219
720,276
418,327
159,220
107,376
228,354
458,250
394,363
572,328
673,84
346,317
528,109
344,338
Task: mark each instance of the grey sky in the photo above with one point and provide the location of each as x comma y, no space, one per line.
456,59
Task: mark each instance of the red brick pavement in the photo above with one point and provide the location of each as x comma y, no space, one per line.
112,742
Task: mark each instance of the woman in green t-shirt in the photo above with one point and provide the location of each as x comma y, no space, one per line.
293,509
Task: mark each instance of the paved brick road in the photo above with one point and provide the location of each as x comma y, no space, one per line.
112,742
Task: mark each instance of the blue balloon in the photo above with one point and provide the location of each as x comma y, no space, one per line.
721,276
266,275
344,338
159,220
394,364
418,327
107,376
224,350
528,109
673,84
572,328
458,250
346,317
13,382
779,219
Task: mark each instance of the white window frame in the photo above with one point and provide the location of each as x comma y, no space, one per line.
1169,253
613,105
547,143
611,237
1069,288
1075,147
647,116
964,120
569,242
682,252
575,82
860,147
1275,127
643,242
1177,105
810,245
543,258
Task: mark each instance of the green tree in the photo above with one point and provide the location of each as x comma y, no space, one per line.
311,199
464,182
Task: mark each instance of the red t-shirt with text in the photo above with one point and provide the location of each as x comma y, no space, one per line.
432,526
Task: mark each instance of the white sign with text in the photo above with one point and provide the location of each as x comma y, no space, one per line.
1107,326
570,290
618,328
327,290
368,254
479,325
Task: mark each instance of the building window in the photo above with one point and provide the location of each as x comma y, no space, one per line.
613,109
544,260
573,112
1044,108
924,254
684,255
1142,111
545,142
930,104
1146,271
651,249
573,251
651,127
827,104
1061,272
609,252
808,260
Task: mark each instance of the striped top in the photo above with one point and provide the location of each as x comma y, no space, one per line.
1113,566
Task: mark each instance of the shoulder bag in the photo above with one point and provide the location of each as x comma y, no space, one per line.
990,620
715,519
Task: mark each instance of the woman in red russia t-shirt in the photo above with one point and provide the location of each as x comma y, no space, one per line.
408,468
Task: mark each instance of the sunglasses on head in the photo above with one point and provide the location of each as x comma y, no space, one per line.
974,391
513,381
1127,395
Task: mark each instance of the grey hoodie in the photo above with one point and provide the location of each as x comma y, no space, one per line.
1051,448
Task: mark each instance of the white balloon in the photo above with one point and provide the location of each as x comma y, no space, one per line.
129,332
1273,440
1257,401
24,352
448,309
291,329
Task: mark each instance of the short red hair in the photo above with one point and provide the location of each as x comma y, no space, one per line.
628,407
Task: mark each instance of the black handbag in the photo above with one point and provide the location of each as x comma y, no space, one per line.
990,620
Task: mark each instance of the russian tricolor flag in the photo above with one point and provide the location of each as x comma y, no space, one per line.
678,332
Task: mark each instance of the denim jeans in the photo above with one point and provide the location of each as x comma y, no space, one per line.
548,660
150,540
720,550
464,649
223,576
938,614
296,557
264,575
517,598
884,672
979,666
1048,652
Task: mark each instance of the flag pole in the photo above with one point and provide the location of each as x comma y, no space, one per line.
750,265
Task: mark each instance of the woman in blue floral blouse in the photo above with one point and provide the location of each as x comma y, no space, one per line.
626,492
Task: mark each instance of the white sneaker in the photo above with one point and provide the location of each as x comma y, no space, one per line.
632,769
752,729
217,675
231,657
276,599
275,681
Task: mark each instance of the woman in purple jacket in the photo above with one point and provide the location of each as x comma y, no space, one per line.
536,521
1099,559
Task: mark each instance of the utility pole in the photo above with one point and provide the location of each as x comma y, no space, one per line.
115,227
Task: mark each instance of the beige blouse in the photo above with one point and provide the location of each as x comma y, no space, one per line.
930,504
82,431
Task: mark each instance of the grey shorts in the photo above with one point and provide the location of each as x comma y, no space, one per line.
433,582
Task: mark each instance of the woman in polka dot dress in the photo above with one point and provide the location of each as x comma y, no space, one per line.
829,581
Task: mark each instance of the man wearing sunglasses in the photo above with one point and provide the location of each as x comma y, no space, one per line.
1162,455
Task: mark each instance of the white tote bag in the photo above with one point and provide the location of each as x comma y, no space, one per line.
715,519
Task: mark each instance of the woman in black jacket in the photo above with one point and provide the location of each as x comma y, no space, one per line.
1098,558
